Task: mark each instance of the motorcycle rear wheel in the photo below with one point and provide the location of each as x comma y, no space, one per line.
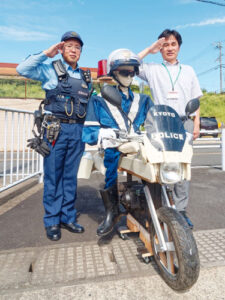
180,265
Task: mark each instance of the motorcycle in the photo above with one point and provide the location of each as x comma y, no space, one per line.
158,158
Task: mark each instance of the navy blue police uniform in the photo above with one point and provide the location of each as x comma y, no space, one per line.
66,100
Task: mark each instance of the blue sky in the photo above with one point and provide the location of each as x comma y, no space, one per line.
28,26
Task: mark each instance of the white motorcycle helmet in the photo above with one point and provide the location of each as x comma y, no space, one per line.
123,65
122,57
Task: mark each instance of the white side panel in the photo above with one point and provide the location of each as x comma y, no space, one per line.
99,163
138,168
85,168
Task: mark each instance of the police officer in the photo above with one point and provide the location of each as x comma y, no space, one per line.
67,92
102,118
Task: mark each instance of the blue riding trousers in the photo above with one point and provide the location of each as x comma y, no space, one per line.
111,161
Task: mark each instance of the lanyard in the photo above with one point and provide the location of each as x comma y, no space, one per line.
172,83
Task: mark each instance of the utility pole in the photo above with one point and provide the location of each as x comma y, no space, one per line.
219,46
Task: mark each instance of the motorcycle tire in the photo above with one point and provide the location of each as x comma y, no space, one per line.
180,266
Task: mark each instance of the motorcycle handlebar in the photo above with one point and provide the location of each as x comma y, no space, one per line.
124,136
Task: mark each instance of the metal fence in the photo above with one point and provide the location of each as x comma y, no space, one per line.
17,163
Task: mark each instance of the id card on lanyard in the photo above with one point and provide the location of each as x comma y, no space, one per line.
172,94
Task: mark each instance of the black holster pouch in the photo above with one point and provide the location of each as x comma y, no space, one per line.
37,143
38,119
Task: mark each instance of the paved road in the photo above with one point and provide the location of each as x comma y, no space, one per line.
21,216
207,153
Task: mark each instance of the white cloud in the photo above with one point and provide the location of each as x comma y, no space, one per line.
204,23
13,33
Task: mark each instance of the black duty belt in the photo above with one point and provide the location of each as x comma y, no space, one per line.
71,121
51,118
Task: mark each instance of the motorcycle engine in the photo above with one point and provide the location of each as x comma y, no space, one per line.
133,197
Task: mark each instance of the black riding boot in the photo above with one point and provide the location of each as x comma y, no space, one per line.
110,201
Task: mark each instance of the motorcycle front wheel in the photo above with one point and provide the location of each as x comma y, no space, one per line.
179,265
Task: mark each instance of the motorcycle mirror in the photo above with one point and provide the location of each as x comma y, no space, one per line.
111,94
192,106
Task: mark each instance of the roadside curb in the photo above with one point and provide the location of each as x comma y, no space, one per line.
15,199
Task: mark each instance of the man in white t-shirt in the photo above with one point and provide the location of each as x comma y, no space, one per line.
174,84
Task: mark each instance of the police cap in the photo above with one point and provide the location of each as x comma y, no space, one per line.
72,35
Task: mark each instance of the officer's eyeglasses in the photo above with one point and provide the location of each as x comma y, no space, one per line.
70,47
126,73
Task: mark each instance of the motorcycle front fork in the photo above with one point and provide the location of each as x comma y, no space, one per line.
162,237
167,196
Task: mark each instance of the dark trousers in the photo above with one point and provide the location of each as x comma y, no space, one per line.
181,189
60,175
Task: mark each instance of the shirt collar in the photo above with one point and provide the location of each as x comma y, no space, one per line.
68,67
166,63
131,95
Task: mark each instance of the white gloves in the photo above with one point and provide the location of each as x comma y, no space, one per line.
105,138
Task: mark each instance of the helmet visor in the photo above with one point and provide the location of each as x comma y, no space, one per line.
126,73
123,62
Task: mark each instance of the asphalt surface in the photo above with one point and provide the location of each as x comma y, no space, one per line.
21,224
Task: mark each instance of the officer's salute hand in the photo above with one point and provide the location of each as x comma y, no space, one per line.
156,46
54,49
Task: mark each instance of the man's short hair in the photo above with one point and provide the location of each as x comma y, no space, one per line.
167,32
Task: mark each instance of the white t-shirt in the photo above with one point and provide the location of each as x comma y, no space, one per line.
186,87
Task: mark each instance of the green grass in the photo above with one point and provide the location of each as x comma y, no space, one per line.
15,88
211,104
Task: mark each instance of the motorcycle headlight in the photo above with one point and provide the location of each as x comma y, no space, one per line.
170,173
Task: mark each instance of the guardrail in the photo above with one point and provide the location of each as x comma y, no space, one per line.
18,163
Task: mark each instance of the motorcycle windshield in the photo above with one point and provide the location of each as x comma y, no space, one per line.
165,129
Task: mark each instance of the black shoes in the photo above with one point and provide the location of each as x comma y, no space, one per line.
184,214
53,232
73,227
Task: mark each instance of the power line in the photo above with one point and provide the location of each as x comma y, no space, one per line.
210,70
207,71
200,54
211,2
